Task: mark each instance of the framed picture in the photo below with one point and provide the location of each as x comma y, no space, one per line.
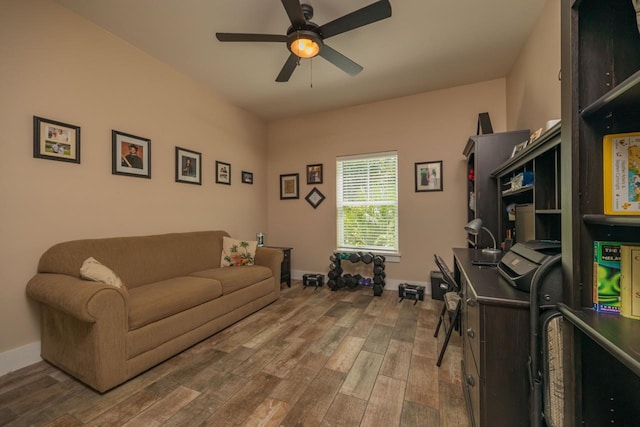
56,140
518,148
534,135
130,155
223,173
315,197
289,186
314,174
188,166
428,176
247,177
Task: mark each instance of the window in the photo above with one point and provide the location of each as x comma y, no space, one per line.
367,202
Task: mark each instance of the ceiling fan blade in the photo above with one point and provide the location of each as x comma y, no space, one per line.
340,61
367,15
243,37
287,69
294,11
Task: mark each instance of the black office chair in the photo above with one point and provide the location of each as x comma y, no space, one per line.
451,307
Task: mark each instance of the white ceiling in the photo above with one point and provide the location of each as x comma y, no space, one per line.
425,45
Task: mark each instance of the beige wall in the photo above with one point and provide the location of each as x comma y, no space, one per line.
533,88
424,127
59,66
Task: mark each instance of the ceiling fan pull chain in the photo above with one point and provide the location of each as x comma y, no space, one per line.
311,73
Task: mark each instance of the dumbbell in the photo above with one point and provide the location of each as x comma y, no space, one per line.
354,257
377,290
366,257
334,274
378,280
378,260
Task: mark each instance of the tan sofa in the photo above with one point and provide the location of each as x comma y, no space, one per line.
177,296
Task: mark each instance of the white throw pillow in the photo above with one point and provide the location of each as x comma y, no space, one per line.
237,252
93,270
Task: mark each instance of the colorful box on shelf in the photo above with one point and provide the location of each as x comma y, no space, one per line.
523,179
621,173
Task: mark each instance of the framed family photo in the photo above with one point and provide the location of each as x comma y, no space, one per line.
289,186
428,176
54,140
247,177
314,174
188,166
130,155
223,173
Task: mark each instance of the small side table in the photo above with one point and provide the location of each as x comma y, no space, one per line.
285,267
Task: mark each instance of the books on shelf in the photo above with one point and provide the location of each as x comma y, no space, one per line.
621,173
630,281
606,275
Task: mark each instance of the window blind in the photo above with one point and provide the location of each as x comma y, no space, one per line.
367,202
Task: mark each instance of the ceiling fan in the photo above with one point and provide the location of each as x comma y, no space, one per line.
305,39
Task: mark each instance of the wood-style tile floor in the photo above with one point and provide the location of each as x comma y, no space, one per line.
312,358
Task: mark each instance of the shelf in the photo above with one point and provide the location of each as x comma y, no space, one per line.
616,334
620,100
548,211
518,191
613,220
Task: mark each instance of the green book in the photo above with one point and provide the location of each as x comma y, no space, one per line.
606,276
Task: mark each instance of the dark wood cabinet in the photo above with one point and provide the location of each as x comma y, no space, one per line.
600,96
537,197
495,328
484,153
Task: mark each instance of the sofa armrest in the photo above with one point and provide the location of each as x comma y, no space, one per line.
72,296
272,258
83,328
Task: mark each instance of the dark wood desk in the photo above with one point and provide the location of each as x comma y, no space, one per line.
495,325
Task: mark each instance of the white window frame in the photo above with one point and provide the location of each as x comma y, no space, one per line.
392,252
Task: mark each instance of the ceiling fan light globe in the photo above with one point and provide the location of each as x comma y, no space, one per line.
304,44
305,48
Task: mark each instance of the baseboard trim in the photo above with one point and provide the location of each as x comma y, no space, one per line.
19,358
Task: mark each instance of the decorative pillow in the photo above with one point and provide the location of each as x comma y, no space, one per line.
237,252
92,270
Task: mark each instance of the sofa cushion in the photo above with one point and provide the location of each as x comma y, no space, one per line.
236,278
237,252
156,301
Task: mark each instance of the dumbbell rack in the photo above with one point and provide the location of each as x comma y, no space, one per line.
337,280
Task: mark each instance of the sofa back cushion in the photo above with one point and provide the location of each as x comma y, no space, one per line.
139,260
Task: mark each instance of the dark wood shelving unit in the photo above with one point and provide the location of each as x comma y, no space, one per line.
600,96
484,153
542,159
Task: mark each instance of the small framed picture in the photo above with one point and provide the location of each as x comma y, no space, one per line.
289,186
534,135
54,140
428,176
130,155
518,148
315,197
314,174
247,177
223,173
188,166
